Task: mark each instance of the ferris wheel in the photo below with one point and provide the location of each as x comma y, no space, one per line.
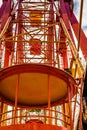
43,65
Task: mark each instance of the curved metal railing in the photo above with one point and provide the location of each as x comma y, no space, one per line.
23,116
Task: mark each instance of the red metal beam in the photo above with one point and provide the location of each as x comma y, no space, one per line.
75,26
33,126
5,12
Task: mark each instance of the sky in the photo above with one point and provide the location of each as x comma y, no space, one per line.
77,11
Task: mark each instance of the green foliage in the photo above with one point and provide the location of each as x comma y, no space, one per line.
36,110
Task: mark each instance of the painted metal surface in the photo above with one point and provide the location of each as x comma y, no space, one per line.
30,93
33,126
27,66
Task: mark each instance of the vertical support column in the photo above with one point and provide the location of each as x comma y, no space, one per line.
8,34
4,116
49,100
64,116
1,110
50,37
20,55
7,56
63,48
70,109
64,55
12,121
8,47
67,115
16,99
80,116
55,115
1,53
